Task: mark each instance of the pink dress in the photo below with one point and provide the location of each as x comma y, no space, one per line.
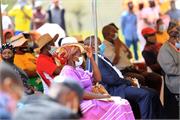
97,109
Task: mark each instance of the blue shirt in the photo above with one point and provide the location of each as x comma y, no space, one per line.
129,26
174,14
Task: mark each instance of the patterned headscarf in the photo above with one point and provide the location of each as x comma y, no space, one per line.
7,46
66,51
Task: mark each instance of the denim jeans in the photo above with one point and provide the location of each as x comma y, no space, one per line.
135,47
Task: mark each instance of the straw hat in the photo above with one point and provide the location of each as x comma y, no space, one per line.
43,40
18,40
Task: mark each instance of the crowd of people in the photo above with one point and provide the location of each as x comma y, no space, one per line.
47,76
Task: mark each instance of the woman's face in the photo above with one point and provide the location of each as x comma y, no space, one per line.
7,54
76,55
175,34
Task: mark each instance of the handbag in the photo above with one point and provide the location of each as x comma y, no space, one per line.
98,88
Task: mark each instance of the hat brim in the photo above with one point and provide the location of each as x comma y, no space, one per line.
79,45
18,43
38,49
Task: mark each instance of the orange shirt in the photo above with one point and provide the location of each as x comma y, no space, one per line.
25,61
162,38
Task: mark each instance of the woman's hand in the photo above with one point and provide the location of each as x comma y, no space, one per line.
89,52
105,96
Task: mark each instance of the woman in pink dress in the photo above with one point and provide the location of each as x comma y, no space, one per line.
92,108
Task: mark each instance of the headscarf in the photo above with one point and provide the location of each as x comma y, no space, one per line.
7,46
64,53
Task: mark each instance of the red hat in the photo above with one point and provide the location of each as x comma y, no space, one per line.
148,31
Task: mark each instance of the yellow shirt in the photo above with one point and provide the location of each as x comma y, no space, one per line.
25,61
162,38
22,23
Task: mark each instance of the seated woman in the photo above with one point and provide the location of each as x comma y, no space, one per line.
92,108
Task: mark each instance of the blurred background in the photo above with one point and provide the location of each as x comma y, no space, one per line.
78,13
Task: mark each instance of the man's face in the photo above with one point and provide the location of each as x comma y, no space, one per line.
152,4
48,45
159,24
56,2
110,33
22,49
151,38
130,6
173,5
7,55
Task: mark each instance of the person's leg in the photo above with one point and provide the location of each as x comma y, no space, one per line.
171,104
135,47
148,101
128,43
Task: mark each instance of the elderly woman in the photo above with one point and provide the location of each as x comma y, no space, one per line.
92,108
169,60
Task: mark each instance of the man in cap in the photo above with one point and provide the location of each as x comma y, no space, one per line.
46,66
63,102
151,50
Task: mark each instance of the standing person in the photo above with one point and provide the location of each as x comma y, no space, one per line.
174,13
7,25
140,25
22,13
169,60
92,108
150,14
161,32
39,16
129,29
11,90
56,14
6,21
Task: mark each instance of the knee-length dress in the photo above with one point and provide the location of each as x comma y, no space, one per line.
97,109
